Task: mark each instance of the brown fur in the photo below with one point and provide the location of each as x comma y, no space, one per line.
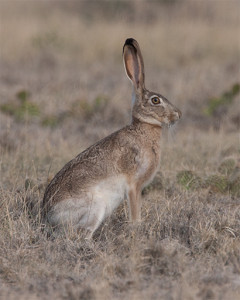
93,165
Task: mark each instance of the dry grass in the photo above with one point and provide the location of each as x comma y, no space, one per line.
67,56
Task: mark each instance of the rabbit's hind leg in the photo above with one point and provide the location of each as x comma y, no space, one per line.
79,214
92,219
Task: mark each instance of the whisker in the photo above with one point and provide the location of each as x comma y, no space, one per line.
171,132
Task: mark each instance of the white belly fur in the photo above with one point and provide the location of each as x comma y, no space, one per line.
93,206
109,193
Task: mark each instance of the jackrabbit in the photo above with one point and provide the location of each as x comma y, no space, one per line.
92,185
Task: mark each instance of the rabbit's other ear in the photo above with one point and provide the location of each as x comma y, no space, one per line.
133,63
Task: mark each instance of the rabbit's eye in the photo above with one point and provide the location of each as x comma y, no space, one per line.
155,100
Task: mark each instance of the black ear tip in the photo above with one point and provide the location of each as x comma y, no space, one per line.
129,41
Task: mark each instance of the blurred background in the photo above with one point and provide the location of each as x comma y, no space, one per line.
63,87
62,77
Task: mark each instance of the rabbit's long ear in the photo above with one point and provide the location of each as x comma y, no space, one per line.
133,62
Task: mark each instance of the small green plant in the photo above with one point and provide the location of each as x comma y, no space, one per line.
228,181
189,180
234,182
50,121
100,101
80,108
217,183
223,100
88,109
29,184
23,108
227,166
55,120
23,95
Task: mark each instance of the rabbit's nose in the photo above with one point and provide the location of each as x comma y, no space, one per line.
178,113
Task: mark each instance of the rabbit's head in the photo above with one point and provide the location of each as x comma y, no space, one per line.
148,107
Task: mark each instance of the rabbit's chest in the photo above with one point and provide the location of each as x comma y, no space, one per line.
148,165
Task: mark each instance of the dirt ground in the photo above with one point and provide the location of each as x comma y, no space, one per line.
62,88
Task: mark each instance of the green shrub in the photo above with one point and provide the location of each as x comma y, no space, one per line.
227,166
21,109
234,182
217,183
189,180
223,100
88,109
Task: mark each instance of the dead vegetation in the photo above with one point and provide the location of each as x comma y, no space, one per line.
62,87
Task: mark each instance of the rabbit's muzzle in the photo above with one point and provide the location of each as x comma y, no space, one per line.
178,114
175,116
